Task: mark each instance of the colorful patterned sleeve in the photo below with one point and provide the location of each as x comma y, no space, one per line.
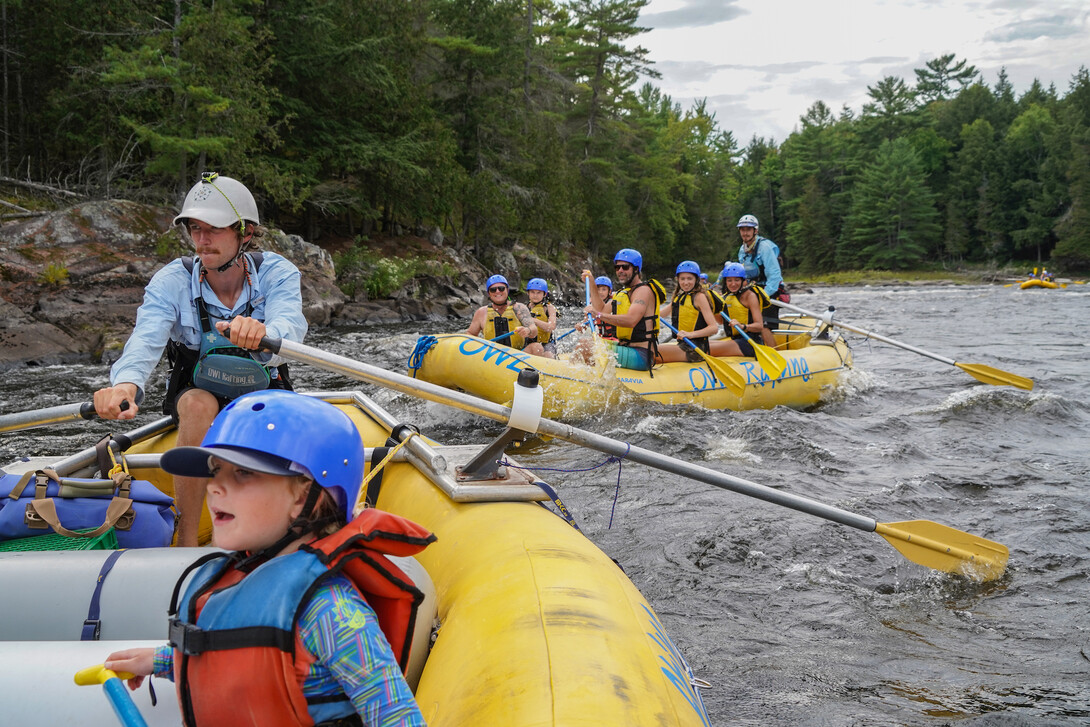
342,632
162,662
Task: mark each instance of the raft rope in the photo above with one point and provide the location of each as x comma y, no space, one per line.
607,461
375,469
423,345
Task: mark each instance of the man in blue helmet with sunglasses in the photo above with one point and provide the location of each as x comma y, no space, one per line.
634,313
505,321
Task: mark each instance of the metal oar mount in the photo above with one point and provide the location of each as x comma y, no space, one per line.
921,541
980,372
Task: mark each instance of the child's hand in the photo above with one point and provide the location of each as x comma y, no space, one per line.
134,661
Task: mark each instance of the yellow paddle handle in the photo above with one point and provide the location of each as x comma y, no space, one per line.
98,674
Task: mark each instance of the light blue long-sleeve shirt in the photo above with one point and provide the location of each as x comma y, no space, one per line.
765,256
169,313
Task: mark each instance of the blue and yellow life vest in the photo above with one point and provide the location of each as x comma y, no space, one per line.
234,631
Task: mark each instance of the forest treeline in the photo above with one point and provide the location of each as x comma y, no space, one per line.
528,120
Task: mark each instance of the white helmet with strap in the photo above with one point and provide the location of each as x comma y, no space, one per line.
220,202
748,221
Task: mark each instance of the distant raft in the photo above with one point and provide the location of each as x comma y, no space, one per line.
816,357
1038,283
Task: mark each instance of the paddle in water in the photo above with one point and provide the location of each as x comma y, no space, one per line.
980,372
928,543
771,360
731,378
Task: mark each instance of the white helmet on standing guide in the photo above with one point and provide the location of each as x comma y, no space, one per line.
219,201
747,221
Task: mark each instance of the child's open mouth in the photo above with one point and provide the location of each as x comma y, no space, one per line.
219,517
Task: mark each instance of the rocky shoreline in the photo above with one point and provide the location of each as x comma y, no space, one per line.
73,280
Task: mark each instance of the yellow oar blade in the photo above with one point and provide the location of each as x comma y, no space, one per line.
995,377
724,373
771,360
947,549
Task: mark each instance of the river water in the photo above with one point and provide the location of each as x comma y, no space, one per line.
795,620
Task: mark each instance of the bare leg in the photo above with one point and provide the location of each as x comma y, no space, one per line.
670,353
767,337
725,347
196,410
535,349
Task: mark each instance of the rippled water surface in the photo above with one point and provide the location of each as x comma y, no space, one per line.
791,618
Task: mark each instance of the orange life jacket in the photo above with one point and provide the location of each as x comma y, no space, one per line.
237,657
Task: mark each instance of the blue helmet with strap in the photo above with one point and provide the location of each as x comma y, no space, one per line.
538,284
734,270
630,256
495,280
688,266
604,280
282,433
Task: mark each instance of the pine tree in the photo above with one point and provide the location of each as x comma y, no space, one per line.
938,79
893,220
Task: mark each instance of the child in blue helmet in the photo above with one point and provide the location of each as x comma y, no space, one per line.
742,307
691,312
544,313
505,321
285,473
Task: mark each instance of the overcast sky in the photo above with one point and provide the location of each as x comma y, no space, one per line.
762,63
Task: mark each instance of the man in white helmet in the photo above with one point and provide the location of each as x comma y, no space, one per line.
761,259
188,305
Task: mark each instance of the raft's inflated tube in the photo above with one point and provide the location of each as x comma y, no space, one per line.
46,596
36,679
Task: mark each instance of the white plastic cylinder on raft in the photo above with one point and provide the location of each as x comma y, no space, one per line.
36,680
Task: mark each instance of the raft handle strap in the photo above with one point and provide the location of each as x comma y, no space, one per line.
92,625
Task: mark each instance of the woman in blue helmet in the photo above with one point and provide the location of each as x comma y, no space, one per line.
505,319
691,312
544,313
742,306
298,625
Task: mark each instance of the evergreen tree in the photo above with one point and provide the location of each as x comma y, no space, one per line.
941,77
893,220
1073,248
890,112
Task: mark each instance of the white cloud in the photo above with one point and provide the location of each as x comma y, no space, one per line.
762,63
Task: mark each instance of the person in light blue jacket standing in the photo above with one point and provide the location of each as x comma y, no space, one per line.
761,259
209,313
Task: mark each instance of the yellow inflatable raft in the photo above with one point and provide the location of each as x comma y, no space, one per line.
1038,283
535,625
489,370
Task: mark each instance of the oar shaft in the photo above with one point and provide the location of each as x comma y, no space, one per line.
42,417
431,392
868,334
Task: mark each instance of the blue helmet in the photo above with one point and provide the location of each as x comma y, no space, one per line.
734,270
628,255
704,277
538,284
281,433
604,280
494,280
688,266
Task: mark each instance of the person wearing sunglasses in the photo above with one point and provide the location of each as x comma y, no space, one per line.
209,313
505,321
634,311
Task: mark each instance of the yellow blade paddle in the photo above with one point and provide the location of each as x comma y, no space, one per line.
980,372
994,376
943,548
722,371
927,543
771,360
